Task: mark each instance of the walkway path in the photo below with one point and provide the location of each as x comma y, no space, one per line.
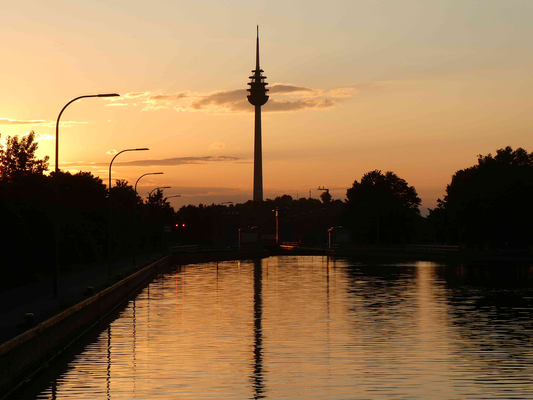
37,298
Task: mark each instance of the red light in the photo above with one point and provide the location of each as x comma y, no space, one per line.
177,225
183,225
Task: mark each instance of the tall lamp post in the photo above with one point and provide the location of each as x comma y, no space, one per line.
135,214
109,229
56,184
174,195
116,155
149,173
161,187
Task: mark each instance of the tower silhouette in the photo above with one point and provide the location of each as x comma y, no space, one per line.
258,97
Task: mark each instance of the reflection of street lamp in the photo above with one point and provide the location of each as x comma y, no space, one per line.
161,187
56,184
116,155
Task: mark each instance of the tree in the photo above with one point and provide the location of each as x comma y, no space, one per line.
488,204
326,197
156,200
83,217
381,208
18,158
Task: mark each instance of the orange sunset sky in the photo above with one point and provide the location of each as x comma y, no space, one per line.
416,87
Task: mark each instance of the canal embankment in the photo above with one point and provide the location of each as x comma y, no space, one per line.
26,353
42,340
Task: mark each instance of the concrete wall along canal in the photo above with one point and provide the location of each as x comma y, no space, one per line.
26,353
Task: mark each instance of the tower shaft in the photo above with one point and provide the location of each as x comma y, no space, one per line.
258,157
258,97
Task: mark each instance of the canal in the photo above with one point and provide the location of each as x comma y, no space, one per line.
311,328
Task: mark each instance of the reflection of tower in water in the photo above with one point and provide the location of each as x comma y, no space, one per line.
258,97
257,377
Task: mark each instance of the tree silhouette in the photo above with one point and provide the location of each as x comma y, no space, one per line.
18,158
488,204
381,208
325,197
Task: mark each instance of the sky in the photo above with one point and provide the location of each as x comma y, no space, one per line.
416,87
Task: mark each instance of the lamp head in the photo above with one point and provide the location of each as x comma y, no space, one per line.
109,95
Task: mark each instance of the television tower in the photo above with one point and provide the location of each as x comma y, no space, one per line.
258,97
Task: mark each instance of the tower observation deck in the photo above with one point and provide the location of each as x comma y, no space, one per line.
258,98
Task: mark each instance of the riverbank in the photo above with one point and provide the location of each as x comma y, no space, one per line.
41,341
85,299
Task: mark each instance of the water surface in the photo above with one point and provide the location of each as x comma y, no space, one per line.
314,328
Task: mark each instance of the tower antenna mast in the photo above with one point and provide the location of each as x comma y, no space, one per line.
258,98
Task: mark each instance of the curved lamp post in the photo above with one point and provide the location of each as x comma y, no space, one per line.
63,109
116,155
149,173
109,229
56,184
174,195
161,187
135,213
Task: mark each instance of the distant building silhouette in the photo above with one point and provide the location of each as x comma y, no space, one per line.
258,97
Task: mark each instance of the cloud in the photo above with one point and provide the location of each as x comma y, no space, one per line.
283,98
310,104
111,152
76,163
280,88
132,95
192,191
38,136
45,136
64,124
227,100
342,92
217,146
183,161
68,124
167,162
168,97
157,101
9,121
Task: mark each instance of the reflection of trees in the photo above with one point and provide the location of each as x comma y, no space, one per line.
380,293
491,308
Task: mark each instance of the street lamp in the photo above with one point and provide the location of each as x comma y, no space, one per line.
63,109
149,173
135,212
227,202
174,195
116,155
161,187
109,228
56,184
